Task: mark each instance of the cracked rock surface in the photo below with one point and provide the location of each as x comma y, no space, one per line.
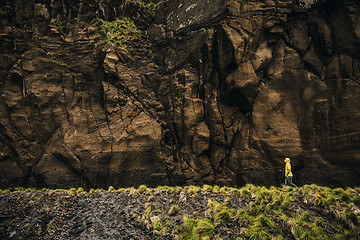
221,96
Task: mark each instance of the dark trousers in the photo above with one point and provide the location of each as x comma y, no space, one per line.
288,181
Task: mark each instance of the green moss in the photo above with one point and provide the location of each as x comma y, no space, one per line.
196,229
284,220
174,209
204,229
287,200
134,192
150,5
63,29
338,191
319,200
255,233
191,190
30,190
8,7
245,192
351,216
215,189
222,216
220,213
158,225
57,61
265,213
72,191
346,235
345,197
207,188
227,201
166,189
264,221
234,191
305,216
118,33
356,200
330,199
224,190
304,229
259,199
148,212
142,189
186,231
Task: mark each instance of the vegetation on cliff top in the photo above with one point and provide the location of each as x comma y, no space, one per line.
191,212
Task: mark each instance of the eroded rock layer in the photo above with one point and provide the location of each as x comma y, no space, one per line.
216,92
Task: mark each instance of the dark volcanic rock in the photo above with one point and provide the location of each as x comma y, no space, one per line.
236,86
166,213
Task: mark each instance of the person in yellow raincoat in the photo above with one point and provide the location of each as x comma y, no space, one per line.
288,173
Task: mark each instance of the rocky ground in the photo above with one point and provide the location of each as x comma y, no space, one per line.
309,212
123,93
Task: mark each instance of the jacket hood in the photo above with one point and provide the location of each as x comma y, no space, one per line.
287,160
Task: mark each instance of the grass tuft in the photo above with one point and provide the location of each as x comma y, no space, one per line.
143,189
174,209
204,229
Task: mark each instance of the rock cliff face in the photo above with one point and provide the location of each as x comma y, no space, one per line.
216,92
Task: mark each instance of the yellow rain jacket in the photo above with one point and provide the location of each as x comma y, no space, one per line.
288,172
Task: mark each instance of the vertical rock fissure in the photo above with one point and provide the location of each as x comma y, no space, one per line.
65,100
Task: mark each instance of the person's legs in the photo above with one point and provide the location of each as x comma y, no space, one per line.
286,181
290,183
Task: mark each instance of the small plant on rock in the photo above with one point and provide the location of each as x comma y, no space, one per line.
207,188
118,33
72,191
174,209
150,5
220,213
216,189
204,229
142,189
196,229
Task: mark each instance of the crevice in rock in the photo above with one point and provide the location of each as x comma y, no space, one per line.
103,172
237,99
226,158
65,101
5,139
171,116
270,159
357,81
211,141
82,172
311,69
132,95
66,161
298,50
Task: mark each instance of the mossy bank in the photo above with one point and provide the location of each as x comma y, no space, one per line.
191,212
96,93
